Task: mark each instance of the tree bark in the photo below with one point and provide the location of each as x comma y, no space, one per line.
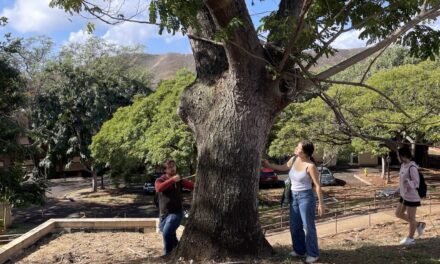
383,167
102,182
224,221
421,155
230,108
94,181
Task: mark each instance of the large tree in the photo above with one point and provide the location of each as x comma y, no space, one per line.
243,83
145,133
80,90
16,188
365,109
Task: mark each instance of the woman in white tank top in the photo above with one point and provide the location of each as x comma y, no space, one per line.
303,175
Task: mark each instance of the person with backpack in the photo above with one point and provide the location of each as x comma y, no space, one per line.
409,183
304,177
169,190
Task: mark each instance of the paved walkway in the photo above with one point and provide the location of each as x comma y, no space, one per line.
350,223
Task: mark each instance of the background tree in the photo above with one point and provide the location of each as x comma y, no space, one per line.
16,188
82,88
411,86
243,83
146,132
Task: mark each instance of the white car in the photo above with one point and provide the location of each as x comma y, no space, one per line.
326,176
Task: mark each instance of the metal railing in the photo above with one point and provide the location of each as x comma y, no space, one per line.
275,220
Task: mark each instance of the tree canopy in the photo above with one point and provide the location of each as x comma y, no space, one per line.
81,89
411,86
146,132
16,187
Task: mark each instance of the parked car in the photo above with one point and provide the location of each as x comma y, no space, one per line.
326,176
268,177
386,193
148,187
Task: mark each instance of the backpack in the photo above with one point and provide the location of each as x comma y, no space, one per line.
286,196
423,188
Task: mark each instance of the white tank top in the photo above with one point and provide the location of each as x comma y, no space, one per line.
301,180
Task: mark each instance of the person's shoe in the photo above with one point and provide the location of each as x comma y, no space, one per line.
296,255
407,241
311,259
420,228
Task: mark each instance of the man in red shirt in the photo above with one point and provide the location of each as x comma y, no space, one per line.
169,189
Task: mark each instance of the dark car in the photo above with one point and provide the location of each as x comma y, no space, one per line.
148,187
326,176
268,177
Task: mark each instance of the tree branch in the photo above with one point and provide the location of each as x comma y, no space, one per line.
89,7
397,106
299,26
245,35
335,17
324,47
191,36
387,41
347,129
372,62
210,58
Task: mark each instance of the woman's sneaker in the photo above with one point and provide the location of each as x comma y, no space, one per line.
407,241
311,259
420,228
296,255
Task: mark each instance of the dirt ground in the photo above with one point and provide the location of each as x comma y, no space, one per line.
378,244
100,247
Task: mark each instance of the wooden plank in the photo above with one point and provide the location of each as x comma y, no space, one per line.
17,245
107,223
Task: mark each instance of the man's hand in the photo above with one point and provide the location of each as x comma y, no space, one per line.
176,178
265,163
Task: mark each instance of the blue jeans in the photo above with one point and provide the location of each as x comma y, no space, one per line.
302,218
168,226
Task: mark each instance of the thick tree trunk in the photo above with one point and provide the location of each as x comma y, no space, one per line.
383,167
102,182
94,181
421,156
231,132
230,108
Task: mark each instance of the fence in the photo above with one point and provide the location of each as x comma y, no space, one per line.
349,205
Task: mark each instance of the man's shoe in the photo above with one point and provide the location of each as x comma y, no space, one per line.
407,241
311,259
296,255
420,228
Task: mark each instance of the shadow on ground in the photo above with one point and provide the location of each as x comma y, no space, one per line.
425,251
142,206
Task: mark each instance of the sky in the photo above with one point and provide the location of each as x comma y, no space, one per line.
34,17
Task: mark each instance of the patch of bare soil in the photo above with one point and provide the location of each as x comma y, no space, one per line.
377,244
100,247
380,244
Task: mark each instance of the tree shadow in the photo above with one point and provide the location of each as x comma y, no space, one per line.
424,251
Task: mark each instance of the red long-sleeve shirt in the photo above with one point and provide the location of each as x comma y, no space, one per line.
170,196
164,182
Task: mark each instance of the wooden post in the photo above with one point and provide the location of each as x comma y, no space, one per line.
369,214
5,214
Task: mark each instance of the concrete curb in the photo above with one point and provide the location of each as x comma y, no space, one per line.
362,180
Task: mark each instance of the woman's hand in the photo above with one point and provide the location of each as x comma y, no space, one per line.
321,209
